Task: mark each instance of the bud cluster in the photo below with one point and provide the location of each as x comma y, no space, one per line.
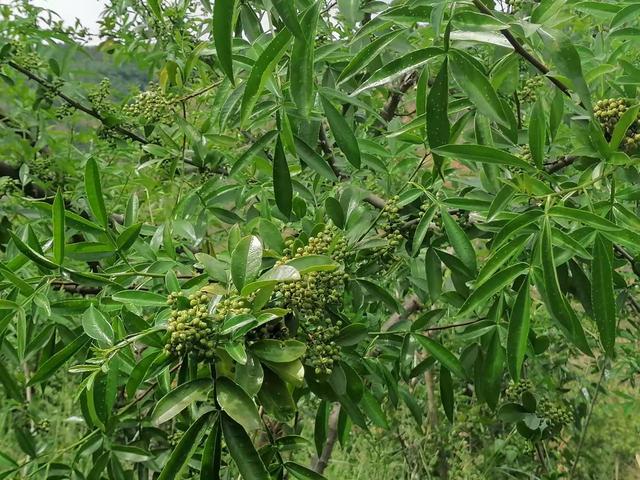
528,92
53,89
276,330
391,223
151,106
608,113
514,5
26,58
99,95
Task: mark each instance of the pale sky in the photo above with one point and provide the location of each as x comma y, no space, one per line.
87,11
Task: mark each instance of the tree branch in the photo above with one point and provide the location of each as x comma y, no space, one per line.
332,435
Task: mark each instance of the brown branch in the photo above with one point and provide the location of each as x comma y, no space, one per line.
559,164
332,435
328,151
75,104
390,108
519,48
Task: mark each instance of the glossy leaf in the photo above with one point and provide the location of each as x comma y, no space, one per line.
342,132
242,451
93,189
185,448
603,300
178,399
224,15
442,355
518,332
246,261
301,66
459,240
283,191
58,228
97,326
237,404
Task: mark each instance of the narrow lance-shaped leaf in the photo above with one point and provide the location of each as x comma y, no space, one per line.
342,132
444,356
367,55
224,15
261,71
93,189
477,86
252,151
211,453
178,399
518,332
492,370
237,404
282,188
58,227
310,157
459,240
603,300
437,114
242,451
96,325
481,153
287,11
301,66
556,302
397,67
183,452
48,368
446,392
537,133
492,286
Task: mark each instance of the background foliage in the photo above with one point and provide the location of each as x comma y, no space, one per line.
236,235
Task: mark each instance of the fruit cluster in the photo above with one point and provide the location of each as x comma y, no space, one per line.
193,326
64,111
8,186
515,390
528,92
556,416
514,5
390,225
322,351
98,96
276,330
608,113
151,106
26,58
525,153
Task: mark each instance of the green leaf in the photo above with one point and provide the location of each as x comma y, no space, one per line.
469,20
211,453
96,325
459,240
178,399
51,366
500,257
380,294
518,332
287,12
58,228
483,154
492,286
242,451
629,14
585,217
372,408
250,375
252,151
342,132
603,300
567,61
224,16
398,67
521,221
437,114
140,298
447,396
237,404
185,449
478,87
93,189
314,160
366,55
128,236
627,119
313,263
492,368
31,254
302,473
246,261
537,133
557,304
301,65
282,188
444,356
433,272
261,71
422,229
278,351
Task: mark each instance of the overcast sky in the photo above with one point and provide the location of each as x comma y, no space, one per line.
87,11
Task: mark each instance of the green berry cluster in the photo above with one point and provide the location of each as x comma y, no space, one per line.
8,186
515,390
528,92
608,113
193,328
175,437
151,106
322,351
64,111
52,90
556,416
515,5
43,426
391,223
98,96
26,58
525,153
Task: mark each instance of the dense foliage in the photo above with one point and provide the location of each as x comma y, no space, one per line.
410,227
